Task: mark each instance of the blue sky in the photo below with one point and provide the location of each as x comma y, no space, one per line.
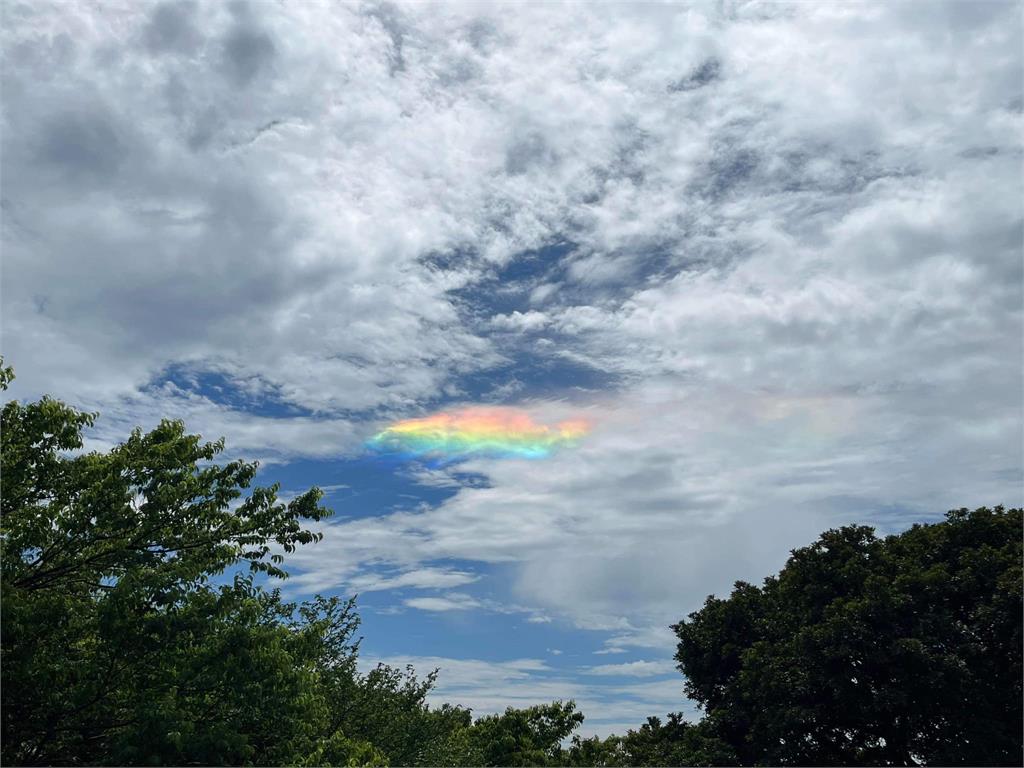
772,252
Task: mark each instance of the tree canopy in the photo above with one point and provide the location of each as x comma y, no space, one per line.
672,742
867,651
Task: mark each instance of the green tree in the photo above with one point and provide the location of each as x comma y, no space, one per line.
895,651
123,638
674,742
595,751
388,707
518,737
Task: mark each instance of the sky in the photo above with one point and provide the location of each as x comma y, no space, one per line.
770,254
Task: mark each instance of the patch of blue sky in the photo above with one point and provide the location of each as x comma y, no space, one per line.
491,626
392,628
543,265
507,288
492,630
529,373
363,486
257,397
566,274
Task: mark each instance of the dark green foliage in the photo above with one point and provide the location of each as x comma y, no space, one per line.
518,737
873,651
389,708
675,742
118,645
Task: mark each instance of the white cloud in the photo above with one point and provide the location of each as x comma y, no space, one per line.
632,669
521,321
420,578
252,437
453,601
171,200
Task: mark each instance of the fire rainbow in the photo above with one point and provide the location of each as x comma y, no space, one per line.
496,432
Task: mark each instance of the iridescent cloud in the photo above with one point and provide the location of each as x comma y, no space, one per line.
478,431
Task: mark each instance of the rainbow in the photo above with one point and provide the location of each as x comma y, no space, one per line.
499,432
